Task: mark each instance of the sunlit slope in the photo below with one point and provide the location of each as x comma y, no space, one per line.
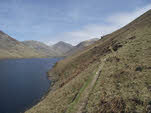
11,48
112,75
81,46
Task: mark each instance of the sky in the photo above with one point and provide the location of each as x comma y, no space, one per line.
71,21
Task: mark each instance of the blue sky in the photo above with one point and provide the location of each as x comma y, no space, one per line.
71,21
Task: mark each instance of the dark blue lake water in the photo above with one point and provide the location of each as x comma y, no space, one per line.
23,82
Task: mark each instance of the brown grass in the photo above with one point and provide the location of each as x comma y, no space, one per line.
124,83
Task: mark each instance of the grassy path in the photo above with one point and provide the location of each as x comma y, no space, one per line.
80,102
75,102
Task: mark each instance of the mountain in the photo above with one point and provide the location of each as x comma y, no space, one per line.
42,48
87,42
58,49
110,76
62,47
11,48
82,46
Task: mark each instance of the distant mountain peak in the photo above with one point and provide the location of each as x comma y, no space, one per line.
63,47
63,43
87,42
12,48
41,48
82,45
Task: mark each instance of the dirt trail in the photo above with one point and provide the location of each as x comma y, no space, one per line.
79,107
83,101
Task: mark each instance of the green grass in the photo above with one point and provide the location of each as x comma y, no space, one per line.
71,107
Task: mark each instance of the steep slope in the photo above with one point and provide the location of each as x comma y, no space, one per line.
11,48
111,76
62,47
41,48
81,46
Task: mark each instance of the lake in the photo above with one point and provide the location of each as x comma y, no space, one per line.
23,82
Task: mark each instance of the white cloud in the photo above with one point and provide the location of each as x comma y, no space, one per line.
114,22
124,18
88,32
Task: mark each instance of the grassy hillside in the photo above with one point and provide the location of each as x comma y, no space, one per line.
11,48
62,47
42,48
111,76
81,46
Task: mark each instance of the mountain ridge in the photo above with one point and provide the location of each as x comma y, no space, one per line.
41,48
82,45
62,47
11,48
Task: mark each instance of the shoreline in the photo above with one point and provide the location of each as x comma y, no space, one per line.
40,99
29,58
45,94
43,97
49,81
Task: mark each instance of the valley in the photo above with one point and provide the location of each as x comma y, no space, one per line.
75,56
